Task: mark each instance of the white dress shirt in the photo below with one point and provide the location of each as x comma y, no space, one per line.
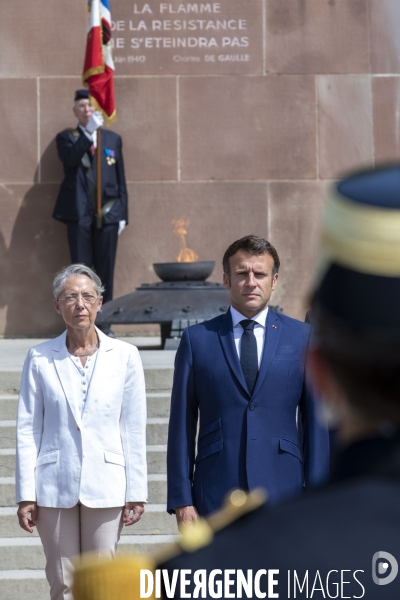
259,330
82,377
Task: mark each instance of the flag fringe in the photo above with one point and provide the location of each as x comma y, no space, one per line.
93,71
109,119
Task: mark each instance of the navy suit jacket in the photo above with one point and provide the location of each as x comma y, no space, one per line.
74,200
244,441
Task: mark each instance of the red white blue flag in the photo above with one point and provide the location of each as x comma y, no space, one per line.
98,70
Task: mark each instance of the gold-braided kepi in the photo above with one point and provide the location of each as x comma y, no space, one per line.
357,282
361,224
105,579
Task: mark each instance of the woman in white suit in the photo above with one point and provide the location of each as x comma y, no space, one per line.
81,434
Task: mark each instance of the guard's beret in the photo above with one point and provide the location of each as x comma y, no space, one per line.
357,284
81,95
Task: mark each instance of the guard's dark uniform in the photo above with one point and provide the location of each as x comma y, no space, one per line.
339,527
75,204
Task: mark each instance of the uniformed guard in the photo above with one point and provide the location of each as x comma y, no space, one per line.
92,240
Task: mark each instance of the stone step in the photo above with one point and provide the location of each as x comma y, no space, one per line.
155,521
157,379
7,462
7,434
157,488
8,406
156,432
18,553
156,460
21,585
7,491
158,405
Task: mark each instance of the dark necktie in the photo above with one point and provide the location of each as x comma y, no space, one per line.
248,354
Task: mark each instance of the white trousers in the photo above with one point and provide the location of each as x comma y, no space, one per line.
68,532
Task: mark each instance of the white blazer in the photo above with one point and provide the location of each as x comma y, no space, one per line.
99,457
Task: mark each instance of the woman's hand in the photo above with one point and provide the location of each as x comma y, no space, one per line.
137,509
25,509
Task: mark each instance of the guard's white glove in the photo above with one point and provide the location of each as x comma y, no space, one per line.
121,227
96,120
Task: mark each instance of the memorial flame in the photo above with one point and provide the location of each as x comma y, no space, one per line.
180,229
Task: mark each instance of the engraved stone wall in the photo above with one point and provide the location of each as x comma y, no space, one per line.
236,114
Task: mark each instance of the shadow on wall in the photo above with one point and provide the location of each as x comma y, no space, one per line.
38,248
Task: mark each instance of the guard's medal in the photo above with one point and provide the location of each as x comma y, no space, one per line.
110,156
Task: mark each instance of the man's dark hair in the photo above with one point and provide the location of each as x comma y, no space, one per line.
253,244
365,364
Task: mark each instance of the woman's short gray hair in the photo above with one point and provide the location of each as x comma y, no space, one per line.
62,276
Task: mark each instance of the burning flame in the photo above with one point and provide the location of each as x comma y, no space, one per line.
180,229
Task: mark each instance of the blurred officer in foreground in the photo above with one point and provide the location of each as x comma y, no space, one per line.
342,540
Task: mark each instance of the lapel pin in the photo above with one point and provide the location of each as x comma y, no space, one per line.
274,327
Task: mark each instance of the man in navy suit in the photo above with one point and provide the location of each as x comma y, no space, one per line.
243,374
76,200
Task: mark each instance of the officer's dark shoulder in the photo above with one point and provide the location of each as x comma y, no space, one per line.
69,133
349,514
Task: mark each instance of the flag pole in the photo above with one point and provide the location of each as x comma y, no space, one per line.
98,181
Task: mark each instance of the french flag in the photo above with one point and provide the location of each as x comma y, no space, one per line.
98,70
